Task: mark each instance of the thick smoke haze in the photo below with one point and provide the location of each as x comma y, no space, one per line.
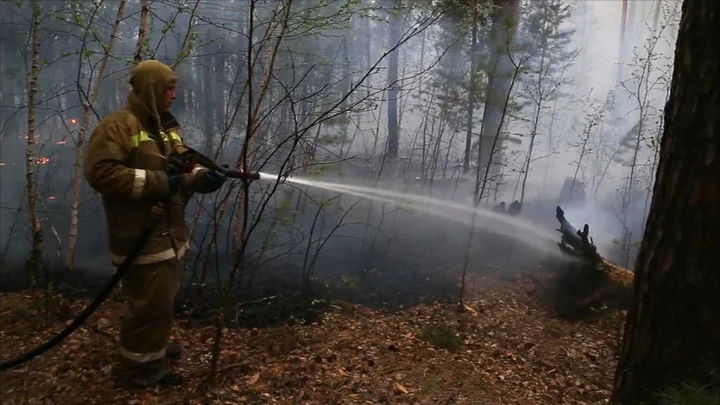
607,71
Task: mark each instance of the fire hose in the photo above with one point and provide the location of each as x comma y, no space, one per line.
181,160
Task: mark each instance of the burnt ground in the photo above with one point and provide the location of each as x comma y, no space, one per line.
509,347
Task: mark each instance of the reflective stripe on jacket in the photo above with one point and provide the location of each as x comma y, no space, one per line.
126,166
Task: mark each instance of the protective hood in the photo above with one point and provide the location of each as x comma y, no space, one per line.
149,80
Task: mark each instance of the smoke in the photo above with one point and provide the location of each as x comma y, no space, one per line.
605,224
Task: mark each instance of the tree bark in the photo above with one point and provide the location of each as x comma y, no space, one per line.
499,76
35,256
472,89
394,37
673,329
143,31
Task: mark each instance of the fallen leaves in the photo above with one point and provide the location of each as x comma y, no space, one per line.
512,352
254,379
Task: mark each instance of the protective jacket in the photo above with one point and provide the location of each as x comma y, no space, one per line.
126,163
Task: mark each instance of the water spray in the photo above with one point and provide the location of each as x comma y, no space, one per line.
523,231
184,159
268,177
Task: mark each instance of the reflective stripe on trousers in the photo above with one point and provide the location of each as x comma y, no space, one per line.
167,254
143,357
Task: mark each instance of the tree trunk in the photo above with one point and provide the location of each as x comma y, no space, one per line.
621,47
480,187
499,76
143,31
276,31
471,97
255,108
37,235
672,330
393,136
87,107
210,122
540,96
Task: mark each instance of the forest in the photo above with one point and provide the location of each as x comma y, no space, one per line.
453,201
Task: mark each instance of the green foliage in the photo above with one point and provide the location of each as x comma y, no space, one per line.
11,73
407,206
322,17
348,281
543,76
467,13
449,83
690,394
340,119
316,170
693,392
541,32
333,139
187,49
284,211
442,337
430,384
16,3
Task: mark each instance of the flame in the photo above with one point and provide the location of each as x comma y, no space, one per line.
43,161
51,198
60,142
73,121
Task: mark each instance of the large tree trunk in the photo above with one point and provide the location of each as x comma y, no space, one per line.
673,329
500,77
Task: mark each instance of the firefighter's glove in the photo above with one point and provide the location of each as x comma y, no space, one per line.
174,182
212,181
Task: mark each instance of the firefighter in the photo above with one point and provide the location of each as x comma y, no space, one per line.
126,163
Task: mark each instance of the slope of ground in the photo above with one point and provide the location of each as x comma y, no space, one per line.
506,350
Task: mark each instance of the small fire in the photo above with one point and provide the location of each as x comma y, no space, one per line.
51,198
60,142
43,161
73,121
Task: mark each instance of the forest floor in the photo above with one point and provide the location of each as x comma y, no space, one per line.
506,349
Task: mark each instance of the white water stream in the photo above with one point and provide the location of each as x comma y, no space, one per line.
531,235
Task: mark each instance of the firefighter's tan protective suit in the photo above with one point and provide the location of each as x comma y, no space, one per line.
124,162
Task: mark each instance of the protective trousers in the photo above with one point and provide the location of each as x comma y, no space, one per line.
150,291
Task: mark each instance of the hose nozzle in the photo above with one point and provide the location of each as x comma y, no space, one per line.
237,174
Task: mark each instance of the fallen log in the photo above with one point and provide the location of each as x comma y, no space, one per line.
589,282
580,245
574,242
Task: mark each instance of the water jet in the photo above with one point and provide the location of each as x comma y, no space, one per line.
523,231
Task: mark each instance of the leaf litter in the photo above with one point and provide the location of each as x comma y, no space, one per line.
504,348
